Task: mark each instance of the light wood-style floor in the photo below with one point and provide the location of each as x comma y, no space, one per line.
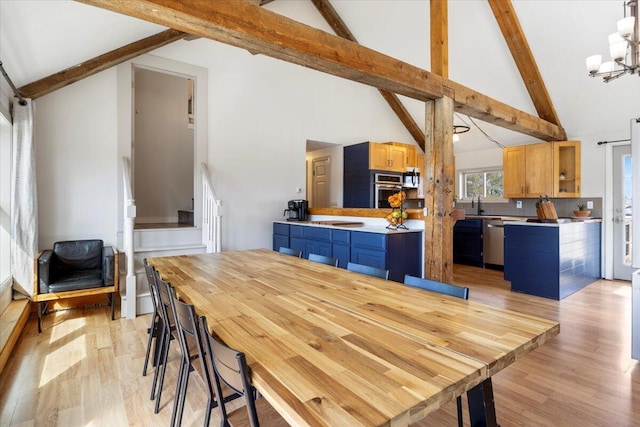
85,370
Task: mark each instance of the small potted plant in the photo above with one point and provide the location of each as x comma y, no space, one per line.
582,210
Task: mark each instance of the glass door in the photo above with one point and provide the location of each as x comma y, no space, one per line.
622,206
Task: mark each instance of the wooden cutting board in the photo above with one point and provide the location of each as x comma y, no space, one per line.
340,223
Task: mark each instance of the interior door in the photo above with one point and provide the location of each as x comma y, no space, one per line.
321,182
622,205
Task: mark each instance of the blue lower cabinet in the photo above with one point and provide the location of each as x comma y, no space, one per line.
342,253
297,244
467,242
400,253
552,262
280,236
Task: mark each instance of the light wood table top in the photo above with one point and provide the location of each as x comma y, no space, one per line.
329,347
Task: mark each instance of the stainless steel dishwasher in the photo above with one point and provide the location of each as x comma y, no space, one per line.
493,242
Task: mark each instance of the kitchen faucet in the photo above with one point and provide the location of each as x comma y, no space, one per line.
479,210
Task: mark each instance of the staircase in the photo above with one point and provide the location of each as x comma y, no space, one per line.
144,243
158,242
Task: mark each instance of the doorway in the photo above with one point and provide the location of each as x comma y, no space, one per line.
622,205
321,181
163,149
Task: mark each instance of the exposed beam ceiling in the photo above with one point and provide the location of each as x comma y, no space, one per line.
244,25
78,72
523,57
341,29
439,37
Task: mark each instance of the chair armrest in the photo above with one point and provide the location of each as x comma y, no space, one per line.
108,265
44,271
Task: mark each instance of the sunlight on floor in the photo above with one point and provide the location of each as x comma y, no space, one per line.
623,291
65,328
63,358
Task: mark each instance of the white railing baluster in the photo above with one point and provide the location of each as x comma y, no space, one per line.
211,214
129,219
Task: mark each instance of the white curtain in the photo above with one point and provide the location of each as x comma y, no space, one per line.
24,209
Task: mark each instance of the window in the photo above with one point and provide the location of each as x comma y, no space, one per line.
485,183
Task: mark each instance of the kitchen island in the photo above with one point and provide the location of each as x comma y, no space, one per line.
552,260
399,251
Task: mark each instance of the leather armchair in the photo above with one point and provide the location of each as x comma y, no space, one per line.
76,265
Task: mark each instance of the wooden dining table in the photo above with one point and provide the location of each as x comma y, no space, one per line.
330,347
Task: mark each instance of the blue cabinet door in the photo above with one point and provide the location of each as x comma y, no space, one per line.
342,253
370,257
280,241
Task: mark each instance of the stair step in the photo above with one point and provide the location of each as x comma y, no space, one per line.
169,248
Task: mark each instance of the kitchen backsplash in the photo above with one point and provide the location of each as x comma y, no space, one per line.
564,207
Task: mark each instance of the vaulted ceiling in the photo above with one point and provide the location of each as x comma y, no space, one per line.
38,38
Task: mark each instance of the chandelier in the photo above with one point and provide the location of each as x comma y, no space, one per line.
625,43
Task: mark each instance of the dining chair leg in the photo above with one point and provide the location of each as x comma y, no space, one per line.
165,356
183,393
153,333
459,404
179,389
113,306
158,359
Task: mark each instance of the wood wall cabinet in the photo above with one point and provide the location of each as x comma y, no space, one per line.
566,169
547,168
410,153
387,157
527,170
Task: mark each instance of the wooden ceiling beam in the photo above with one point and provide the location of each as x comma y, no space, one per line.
340,28
439,37
78,72
244,25
523,57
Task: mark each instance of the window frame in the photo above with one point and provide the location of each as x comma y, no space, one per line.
461,184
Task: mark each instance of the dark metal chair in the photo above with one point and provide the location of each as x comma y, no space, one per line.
371,271
323,259
288,251
154,329
191,348
230,368
442,288
166,335
432,285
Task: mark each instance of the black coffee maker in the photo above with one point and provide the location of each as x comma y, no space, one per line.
297,210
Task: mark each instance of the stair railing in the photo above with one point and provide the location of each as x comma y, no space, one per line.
211,213
129,219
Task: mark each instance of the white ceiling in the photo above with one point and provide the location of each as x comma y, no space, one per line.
38,38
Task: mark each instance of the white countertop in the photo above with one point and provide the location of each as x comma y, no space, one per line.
568,221
369,228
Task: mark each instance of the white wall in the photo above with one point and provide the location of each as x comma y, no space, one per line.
76,161
163,160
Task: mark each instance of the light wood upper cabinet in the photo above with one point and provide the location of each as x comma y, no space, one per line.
527,170
547,168
411,156
378,156
566,169
513,171
389,157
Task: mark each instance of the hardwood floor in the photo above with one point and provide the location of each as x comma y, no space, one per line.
85,370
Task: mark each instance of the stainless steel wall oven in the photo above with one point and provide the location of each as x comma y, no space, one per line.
386,184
